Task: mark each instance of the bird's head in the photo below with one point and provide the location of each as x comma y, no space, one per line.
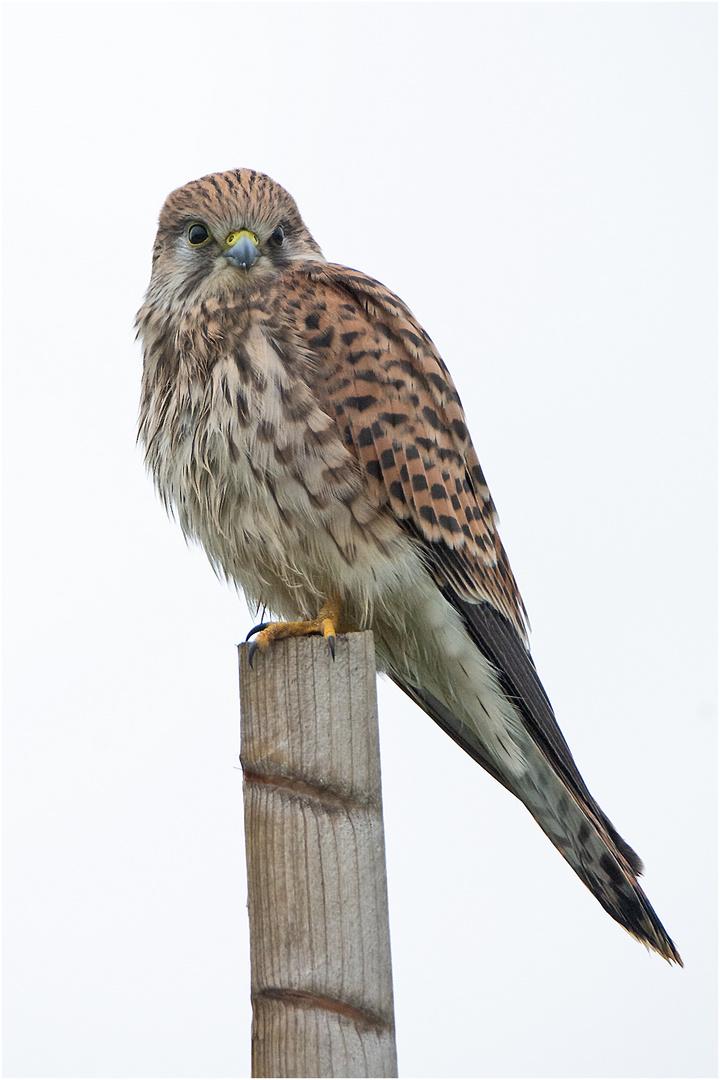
225,233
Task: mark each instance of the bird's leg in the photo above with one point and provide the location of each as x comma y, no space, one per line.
326,623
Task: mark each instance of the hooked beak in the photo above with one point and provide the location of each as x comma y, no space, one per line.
242,248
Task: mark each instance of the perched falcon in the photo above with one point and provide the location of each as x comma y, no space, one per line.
303,428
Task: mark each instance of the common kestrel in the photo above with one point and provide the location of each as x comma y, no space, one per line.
303,428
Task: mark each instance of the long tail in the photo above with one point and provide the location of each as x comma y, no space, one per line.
598,855
574,823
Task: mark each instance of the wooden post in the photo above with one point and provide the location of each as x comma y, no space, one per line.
317,891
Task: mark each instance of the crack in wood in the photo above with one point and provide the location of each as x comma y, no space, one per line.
330,798
306,999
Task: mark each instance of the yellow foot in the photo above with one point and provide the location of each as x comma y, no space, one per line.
325,624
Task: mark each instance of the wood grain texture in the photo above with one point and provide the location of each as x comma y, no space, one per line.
317,891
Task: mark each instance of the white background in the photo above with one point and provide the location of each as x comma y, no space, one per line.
537,181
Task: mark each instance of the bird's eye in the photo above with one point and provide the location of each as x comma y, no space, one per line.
278,237
197,235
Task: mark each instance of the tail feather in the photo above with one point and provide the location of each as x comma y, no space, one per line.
577,827
595,851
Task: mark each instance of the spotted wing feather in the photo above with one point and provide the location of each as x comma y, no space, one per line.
382,378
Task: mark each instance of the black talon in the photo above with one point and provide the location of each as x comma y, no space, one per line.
251,652
331,642
257,629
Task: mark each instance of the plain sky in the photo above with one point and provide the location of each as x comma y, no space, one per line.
538,183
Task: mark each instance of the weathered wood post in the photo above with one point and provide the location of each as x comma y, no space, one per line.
317,891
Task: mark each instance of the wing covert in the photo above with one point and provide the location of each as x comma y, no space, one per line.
378,373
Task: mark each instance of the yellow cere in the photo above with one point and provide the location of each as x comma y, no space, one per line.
233,237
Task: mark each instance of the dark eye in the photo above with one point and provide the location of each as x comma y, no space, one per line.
278,237
197,235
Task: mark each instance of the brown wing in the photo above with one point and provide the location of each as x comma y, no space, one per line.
380,375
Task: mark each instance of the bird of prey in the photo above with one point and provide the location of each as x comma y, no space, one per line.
304,430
